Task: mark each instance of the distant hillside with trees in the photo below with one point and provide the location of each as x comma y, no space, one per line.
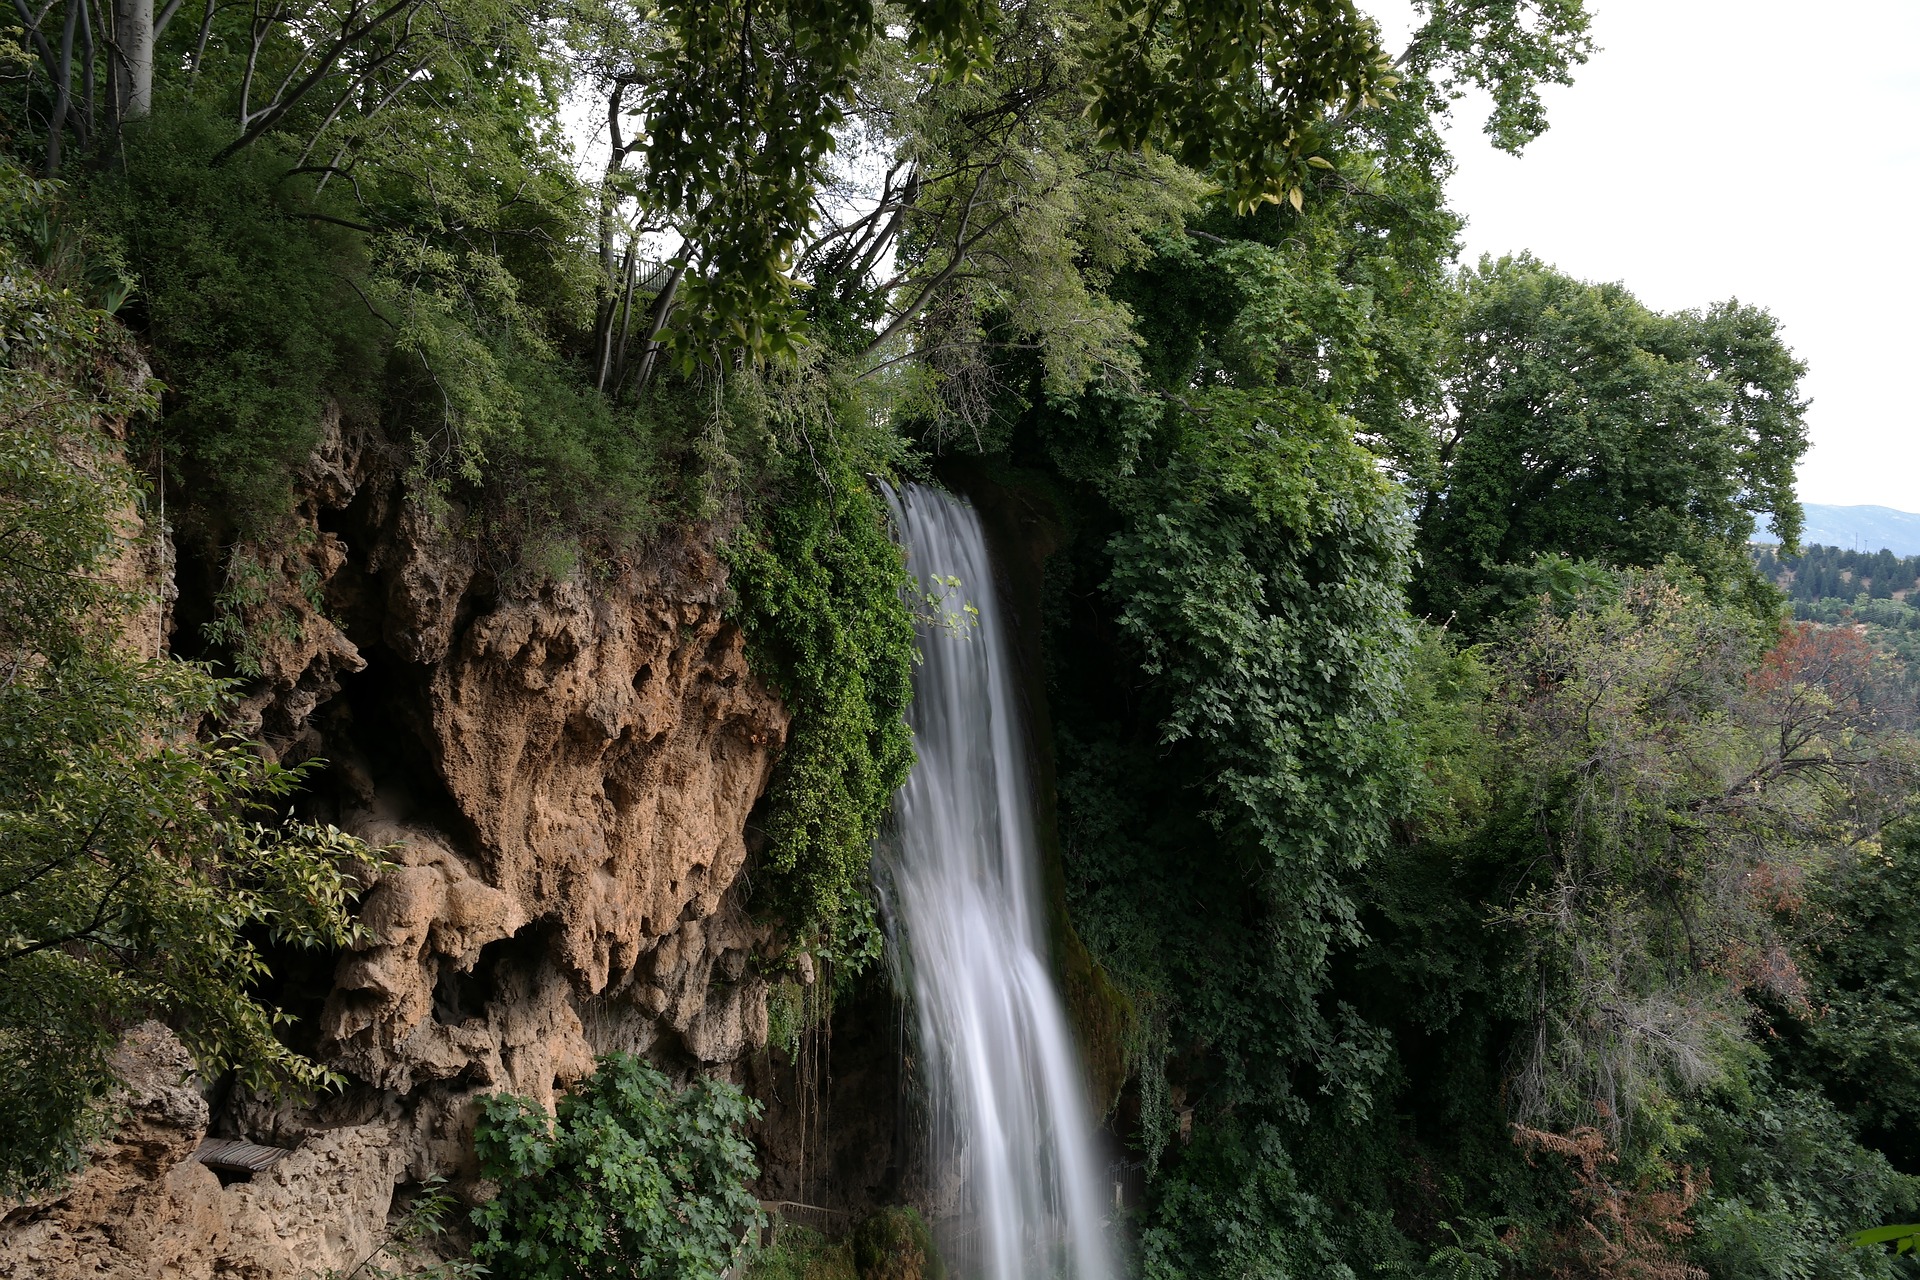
1873,588
1825,572
1862,528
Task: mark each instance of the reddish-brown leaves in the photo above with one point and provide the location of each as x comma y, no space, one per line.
1618,1233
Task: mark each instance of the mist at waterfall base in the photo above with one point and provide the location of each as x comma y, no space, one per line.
1018,1180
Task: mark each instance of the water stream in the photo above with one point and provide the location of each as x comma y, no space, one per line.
1017,1172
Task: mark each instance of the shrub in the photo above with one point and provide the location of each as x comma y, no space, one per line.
1791,1183
1617,1229
798,1253
1856,1038
631,1179
250,302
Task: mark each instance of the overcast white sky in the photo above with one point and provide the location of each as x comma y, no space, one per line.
1767,150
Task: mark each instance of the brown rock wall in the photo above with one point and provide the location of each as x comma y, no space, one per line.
563,777
146,1210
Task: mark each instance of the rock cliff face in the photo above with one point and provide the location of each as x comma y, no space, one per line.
563,776
146,1208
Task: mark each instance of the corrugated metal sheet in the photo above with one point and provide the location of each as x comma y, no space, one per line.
241,1157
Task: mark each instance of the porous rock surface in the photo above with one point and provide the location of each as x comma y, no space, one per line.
145,1209
562,777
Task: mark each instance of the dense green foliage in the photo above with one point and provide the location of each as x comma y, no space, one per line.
1253,576
631,1178
820,586
251,307
1791,1188
891,1244
798,1253
1227,647
1579,925
1853,1035
140,867
1438,785
895,1244
1581,423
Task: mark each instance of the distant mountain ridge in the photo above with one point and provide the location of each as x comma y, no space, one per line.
1863,528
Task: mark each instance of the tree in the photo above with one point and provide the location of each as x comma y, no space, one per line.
1670,772
141,869
1227,648
1230,88
351,58
971,106
1025,153
1623,801
1577,422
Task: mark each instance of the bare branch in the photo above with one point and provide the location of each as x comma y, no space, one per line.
259,123
963,244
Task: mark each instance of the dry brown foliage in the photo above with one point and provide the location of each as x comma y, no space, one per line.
1618,1233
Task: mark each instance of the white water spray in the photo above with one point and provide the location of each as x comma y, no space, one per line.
1012,1134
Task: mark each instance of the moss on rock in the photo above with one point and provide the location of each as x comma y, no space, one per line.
895,1244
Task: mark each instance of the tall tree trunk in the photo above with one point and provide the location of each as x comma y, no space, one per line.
89,17
63,90
133,58
626,316
662,308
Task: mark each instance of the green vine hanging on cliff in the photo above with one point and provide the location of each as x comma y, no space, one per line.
820,595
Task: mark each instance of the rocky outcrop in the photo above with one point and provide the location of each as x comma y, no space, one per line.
601,751
271,598
561,776
144,1209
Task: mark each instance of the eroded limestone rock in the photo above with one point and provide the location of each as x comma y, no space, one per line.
144,1209
562,777
603,748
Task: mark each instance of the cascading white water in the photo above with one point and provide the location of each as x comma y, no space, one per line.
961,876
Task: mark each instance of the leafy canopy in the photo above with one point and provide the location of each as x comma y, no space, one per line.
1577,422
1855,1037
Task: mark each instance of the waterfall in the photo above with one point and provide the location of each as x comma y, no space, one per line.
1012,1133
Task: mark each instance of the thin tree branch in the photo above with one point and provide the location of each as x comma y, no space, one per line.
341,222
93,926
86,67
63,91
927,291
269,116
31,25
365,76
86,847
200,45
662,309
